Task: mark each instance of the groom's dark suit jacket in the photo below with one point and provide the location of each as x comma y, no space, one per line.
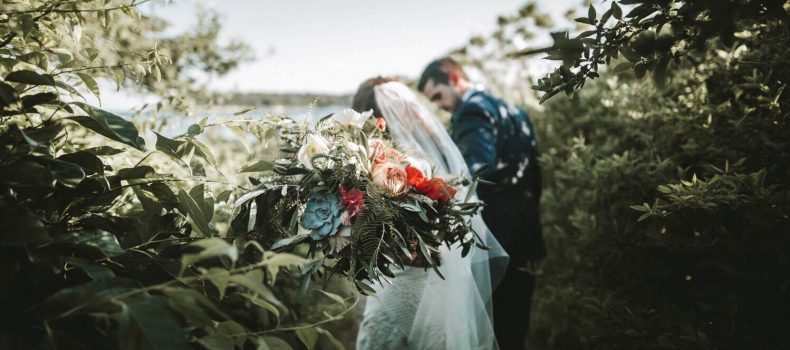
499,138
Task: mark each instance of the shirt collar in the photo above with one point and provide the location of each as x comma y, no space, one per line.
471,91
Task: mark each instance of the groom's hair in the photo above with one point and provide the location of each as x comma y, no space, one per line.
439,71
365,99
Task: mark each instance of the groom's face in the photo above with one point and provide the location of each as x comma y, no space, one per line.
445,96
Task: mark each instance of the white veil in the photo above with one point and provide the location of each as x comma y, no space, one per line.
455,312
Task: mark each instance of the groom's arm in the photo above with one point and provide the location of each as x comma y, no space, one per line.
475,134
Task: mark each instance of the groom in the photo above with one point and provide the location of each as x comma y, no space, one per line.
498,143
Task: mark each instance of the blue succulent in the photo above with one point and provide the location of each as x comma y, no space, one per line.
322,215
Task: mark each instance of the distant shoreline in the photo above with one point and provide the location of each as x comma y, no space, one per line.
264,99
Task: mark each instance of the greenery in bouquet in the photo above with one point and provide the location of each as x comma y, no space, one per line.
361,206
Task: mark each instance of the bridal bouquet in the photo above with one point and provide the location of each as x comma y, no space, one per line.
357,204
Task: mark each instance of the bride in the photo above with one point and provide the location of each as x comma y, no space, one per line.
419,309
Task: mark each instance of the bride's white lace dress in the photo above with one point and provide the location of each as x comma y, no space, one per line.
389,315
419,309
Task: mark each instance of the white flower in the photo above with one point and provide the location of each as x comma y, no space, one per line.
313,145
350,117
354,147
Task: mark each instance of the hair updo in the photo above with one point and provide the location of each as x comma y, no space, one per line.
365,98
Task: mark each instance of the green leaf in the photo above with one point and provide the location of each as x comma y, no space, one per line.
253,281
622,67
27,23
7,93
548,95
85,298
210,248
217,342
30,101
104,150
18,226
44,134
273,343
639,70
190,296
206,202
91,84
64,56
187,306
241,135
220,278
74,92
308,337
26,172
258,166
285,259
147,322
138,172
67,174
660,73
629,54
106,242
338,299
92,269
243,111
334,341
89,162
110,125
253,298
204,152
591,12
230,328
30,77
171,147
190,207
287,242
364,288
617,12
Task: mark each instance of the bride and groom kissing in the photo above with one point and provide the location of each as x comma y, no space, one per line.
483,301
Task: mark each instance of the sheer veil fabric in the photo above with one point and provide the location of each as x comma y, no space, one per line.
419,309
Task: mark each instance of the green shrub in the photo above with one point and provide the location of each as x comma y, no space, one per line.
666,209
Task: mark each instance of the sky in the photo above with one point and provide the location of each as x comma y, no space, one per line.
330,46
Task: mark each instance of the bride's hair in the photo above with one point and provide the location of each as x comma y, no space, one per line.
365,98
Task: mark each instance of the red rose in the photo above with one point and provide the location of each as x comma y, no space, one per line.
434,188
414,176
